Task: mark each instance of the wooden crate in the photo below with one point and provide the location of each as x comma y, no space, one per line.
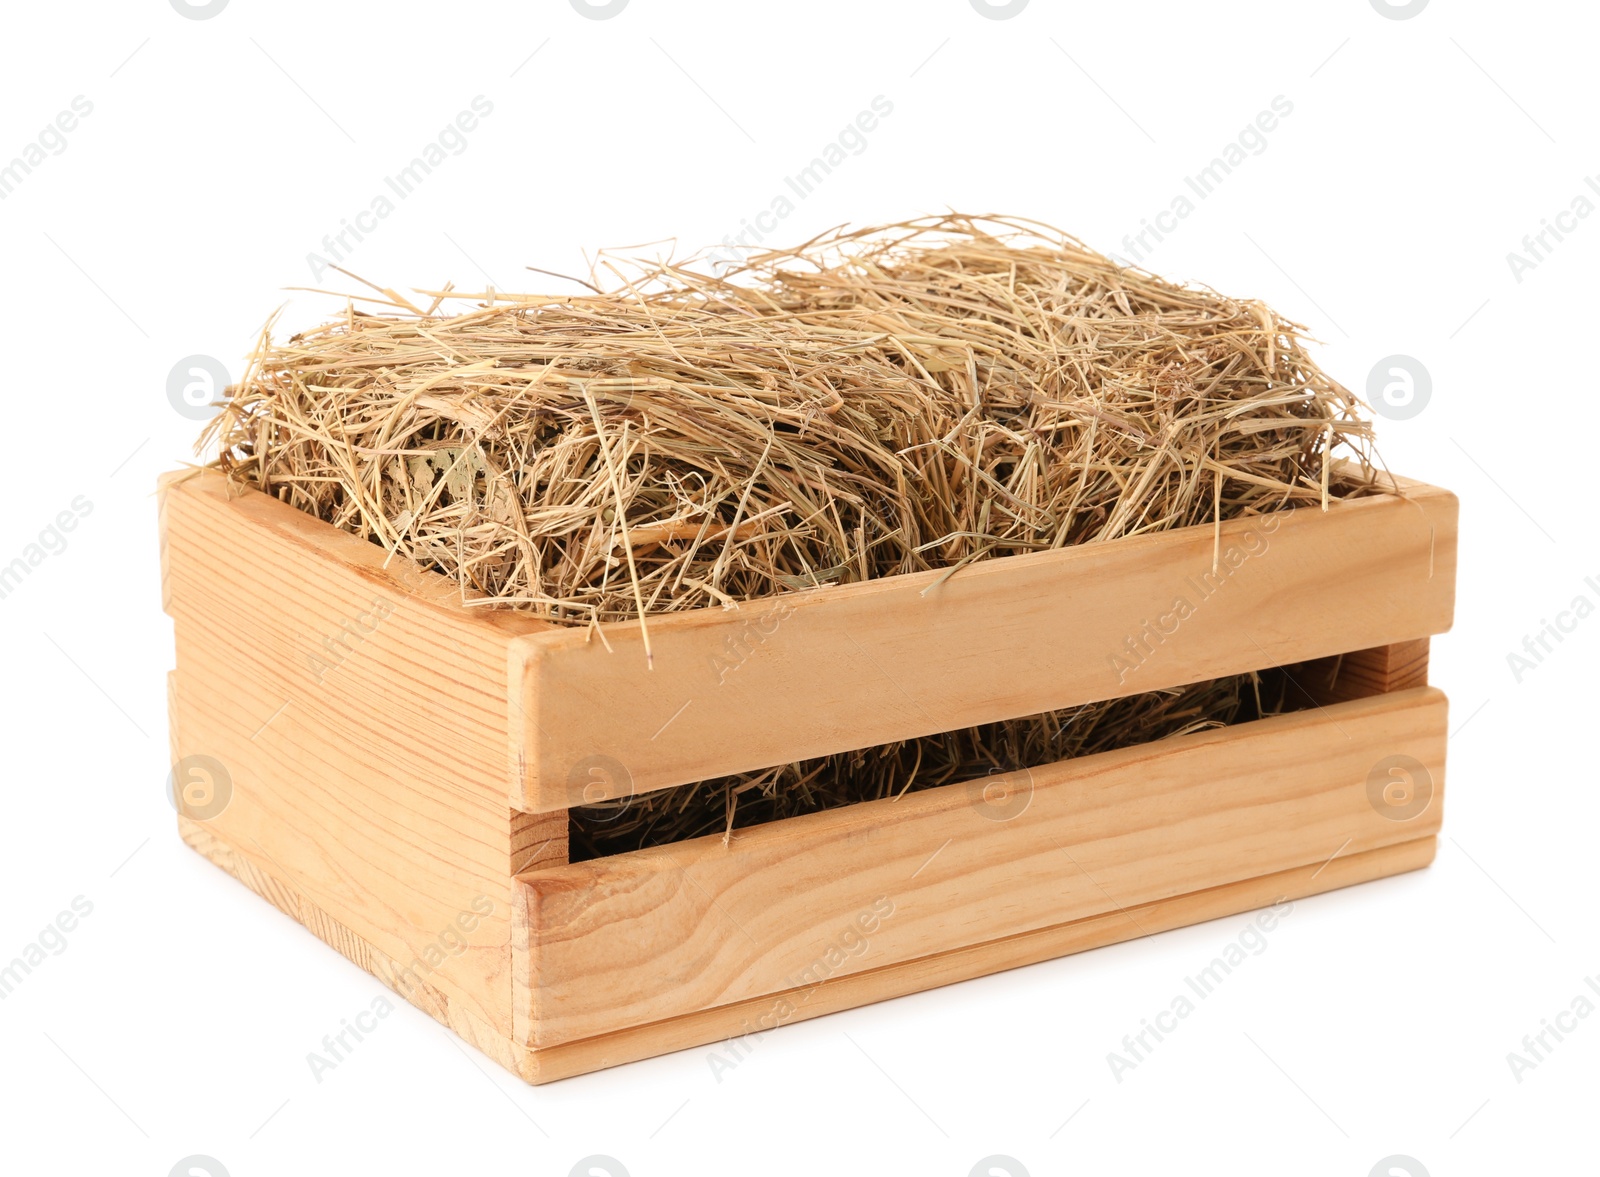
392,768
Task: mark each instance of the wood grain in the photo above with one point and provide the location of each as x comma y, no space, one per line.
959,865
833,669
361,714
1360,674
734,1021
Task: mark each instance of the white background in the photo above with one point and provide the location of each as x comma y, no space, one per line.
221,151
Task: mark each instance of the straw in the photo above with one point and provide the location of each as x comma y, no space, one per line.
873,403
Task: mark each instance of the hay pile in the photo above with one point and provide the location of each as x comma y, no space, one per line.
873,403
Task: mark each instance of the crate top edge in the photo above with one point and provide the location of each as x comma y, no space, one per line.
530,635
1406,490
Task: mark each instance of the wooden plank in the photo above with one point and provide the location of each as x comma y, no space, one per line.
361,716
963,864
738,1020
832,669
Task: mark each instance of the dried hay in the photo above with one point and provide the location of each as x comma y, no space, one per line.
911,397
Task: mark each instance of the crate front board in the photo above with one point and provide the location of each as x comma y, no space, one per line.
399,764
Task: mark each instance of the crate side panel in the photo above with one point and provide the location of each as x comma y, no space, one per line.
360,716
830,670
890,881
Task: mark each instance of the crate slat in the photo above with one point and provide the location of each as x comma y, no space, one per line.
736,1028
671,931
835,669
